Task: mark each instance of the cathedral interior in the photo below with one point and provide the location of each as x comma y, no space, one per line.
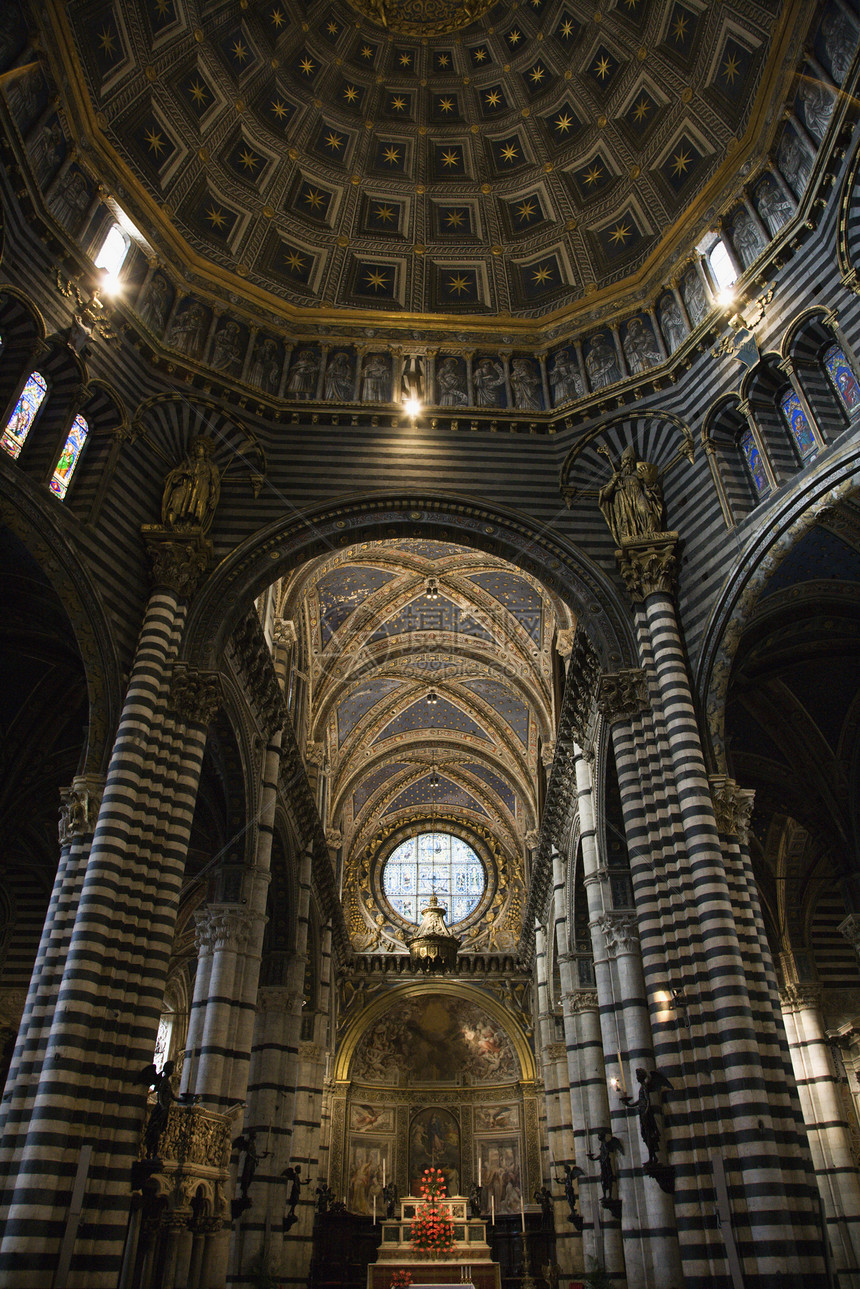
430,509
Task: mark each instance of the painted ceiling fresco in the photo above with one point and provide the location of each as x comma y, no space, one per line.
430,671
434,1039
510,163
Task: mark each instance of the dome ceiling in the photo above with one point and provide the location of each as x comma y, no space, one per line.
393,158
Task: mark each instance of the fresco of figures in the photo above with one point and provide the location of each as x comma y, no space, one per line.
433,1039
434,1142
364,1175
500,1174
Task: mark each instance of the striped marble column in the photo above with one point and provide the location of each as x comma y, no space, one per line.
824,1114
773,1209
82,1124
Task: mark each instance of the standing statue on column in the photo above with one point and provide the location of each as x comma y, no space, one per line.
248,1144
632,500
293,1174
192,489
160,1112
650,1082
606,1149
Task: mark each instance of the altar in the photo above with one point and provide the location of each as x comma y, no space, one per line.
468,1264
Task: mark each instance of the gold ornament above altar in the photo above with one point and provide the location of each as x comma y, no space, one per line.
433,947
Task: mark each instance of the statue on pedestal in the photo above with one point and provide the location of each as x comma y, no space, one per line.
632,501
192,489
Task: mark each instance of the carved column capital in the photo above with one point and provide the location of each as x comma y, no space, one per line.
275,998
555,1051
225,926
850,928
798,998
581,1000
531,838
179,562
334,838
195,696
622,694
733,807
315,753
648,565
564,642
620,933
284,632
547,754
79,806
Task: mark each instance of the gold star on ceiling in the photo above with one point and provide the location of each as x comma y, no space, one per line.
509,152
450,158
454,218
333,141
446,105
731,67
314,198
479,55
295,261
248,159
537,74
332,28
680,163
398,104
366,51
526,210
161,7
279,108
593,175
619,234
277,17
385,213
601,67
155,140
306,65
514,37
392,155
106,41
376,280
198,92
350,93
563,123
542,274
458,284
216,217
641,109
240,53
405,60
493,99
443,60
566,29
679,28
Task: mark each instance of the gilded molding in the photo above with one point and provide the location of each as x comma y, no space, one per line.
79,807
733,807
195,696
649,565
179,561
622,695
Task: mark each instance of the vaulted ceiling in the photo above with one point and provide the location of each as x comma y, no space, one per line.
400,158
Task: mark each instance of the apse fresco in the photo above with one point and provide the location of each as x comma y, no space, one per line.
500,1173
434,1142
495,1117
435,1039
364,1174
364,1117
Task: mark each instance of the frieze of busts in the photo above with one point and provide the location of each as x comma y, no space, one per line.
195,696
620,932
649,565
622,695
733,807
79,807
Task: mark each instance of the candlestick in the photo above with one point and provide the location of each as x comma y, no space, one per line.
374,1210
493,1210
523,1214
383,1174
479,1170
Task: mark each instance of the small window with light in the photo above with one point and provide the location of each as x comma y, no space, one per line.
111,256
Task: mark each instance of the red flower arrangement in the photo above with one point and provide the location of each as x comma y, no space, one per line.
401,1279
432,1228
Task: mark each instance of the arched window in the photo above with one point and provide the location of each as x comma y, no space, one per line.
721,266
798,425
72,449
842,378
434,863
754,464
21,420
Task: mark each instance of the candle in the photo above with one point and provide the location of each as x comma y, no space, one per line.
479,1170
383,1174
523,1214
493,1209
374,1210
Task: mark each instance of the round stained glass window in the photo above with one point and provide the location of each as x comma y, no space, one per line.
434,863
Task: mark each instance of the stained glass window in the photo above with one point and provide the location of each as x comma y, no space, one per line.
754,463
434,863
798,423
18,426
69,457
842,377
